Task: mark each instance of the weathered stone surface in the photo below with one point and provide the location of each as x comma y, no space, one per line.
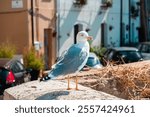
129,81
53,90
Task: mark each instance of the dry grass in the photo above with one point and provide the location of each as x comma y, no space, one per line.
130,81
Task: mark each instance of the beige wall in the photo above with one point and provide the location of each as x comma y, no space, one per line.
44,18
15,23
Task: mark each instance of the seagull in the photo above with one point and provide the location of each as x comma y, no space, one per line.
73,60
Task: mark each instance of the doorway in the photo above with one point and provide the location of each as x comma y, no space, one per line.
49,48
77,28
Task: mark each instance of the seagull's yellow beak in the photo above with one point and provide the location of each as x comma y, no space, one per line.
89,38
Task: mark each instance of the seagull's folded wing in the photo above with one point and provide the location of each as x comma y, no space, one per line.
73,60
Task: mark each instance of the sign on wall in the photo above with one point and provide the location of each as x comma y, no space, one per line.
17,3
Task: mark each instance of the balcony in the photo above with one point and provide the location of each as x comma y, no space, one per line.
79,2
106,3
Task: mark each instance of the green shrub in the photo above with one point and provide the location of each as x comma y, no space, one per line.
32,60
7,50
99,51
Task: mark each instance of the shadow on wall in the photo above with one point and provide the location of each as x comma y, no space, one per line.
53,95
96,25
45,18
69,22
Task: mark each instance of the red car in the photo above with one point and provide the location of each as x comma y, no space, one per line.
7,79
13,73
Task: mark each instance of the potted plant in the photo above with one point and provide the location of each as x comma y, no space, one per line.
33,62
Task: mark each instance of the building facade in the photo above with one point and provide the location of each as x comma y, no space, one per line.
26,23
51,25
110,22
147,18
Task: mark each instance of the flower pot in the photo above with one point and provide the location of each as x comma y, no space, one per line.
34,74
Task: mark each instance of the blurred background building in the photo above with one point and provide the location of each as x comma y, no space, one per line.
26,23
51,25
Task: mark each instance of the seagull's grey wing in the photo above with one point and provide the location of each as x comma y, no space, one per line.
74,60
60,58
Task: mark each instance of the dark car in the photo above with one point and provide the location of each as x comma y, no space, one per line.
144,49
12,73
120,55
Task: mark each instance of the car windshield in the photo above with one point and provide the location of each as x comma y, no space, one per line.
92,62
131,55
144,48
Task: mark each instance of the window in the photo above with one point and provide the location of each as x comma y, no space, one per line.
110,55
80,2
145,48
17,67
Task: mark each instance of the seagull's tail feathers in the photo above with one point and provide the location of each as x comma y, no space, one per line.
48,76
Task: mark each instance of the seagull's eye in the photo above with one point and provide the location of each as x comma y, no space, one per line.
81,35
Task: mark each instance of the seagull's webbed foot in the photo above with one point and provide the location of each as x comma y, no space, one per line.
45,78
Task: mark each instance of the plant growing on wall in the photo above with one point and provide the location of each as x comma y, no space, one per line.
99,51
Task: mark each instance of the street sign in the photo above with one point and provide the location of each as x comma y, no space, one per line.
17,3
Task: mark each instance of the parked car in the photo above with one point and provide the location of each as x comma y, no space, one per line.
7,79
92,62
12,73
144,49
120,55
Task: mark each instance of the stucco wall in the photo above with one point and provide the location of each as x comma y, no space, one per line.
14,24
44,18
91,15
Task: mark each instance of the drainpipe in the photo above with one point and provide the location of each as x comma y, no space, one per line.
57,8
121,11
143,22
32,23
129,22
37,19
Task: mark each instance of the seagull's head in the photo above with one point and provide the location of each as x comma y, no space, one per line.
83,36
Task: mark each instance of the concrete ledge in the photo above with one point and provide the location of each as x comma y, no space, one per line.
53,90
122,81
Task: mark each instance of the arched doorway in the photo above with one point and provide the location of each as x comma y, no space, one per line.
77,28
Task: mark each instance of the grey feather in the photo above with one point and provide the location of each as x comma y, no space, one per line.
72,61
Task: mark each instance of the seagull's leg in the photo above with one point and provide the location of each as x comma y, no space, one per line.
68,83
76,82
